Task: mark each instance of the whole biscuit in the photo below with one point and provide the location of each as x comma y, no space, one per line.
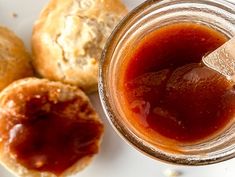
14,60
69,36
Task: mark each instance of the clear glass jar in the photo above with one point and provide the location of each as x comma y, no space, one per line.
149,16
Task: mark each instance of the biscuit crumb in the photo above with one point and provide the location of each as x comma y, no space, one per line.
172,173
14,15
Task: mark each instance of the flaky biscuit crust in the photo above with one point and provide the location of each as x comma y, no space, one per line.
14,59
69,36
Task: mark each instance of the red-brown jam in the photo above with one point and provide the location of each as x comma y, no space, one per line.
167,92
52,136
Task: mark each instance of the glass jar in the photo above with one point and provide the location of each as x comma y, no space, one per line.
149,16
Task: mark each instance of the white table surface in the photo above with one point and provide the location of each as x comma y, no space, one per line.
116,159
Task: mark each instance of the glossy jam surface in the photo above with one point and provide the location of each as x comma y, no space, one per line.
167,92
52,136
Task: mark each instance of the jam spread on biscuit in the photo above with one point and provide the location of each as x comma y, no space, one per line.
167,91
52,136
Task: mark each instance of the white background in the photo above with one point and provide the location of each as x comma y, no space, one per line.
116,159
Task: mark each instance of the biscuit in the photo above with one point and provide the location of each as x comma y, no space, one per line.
69,36
47,129
14,60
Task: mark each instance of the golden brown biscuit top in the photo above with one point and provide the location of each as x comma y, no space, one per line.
14,59
69,36
48,126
